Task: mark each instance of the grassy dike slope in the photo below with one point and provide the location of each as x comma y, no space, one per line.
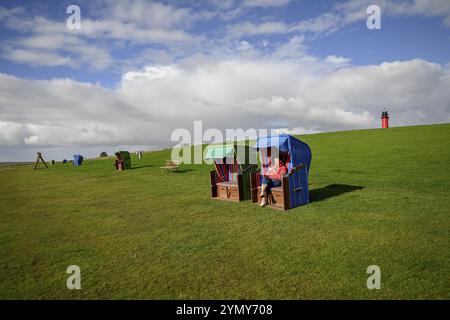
378,197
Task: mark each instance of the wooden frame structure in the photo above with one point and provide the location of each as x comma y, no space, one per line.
280,197
39,159
233,165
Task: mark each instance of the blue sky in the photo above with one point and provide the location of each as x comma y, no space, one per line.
149,67
401,37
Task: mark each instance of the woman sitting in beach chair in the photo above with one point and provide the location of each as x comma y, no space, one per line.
272,179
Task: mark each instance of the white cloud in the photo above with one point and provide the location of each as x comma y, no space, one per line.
132,22
295,48
129,32
265,3
244,46
342,14
326,22
337,60
166,30
148,74
146,14
13,133
37,57
57,49
354,10
309,94
251,29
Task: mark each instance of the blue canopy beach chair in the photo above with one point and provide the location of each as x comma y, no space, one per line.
77,160
293,191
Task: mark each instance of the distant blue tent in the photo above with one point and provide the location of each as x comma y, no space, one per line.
77,160
297,155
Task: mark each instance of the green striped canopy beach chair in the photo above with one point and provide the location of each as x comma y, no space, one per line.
233,164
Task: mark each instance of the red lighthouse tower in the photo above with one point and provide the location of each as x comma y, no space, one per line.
384,119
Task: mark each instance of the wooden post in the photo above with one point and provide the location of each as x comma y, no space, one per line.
39,158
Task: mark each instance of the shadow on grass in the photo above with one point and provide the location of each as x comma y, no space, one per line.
330,191
181,171
145,166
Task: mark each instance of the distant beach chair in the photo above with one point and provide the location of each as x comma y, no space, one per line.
123,160
77,160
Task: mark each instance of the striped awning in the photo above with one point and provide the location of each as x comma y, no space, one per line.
219,152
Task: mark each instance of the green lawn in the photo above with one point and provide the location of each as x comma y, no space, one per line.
378,197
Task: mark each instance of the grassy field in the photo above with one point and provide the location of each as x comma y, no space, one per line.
378,197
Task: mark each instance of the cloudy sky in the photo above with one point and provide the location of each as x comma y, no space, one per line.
137,70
